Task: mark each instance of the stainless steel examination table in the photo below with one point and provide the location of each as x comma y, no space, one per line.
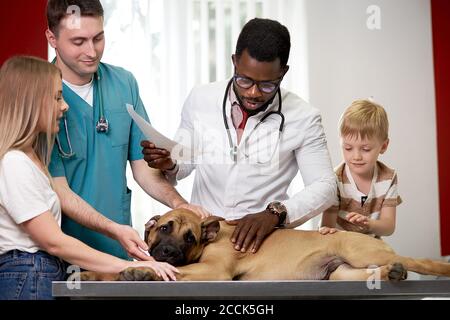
410,289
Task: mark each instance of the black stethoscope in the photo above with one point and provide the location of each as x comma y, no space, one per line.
102,125
233,147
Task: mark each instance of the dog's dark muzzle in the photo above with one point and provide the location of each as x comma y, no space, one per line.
168,253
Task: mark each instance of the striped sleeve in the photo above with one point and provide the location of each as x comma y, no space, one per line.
392,199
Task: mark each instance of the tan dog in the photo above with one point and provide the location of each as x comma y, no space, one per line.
181,238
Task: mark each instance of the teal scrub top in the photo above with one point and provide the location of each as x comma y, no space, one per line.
97,171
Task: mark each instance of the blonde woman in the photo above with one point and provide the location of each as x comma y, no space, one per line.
31,240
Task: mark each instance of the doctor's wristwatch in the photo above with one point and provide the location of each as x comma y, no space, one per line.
278,209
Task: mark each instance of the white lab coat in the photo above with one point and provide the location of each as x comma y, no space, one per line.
233,189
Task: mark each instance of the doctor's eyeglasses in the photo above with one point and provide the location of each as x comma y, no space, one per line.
266,87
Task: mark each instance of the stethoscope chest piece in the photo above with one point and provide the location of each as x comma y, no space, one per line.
102,125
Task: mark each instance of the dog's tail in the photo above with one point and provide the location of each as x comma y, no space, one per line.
425,266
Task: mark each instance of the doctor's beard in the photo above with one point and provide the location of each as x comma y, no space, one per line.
252,112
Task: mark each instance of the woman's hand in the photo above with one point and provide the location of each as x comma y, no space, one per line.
164,270
131,241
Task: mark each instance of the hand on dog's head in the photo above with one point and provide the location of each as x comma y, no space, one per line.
179,236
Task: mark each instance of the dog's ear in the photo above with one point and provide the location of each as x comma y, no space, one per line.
150,224
210,228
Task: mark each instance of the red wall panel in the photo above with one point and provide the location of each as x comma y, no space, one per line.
441,43
22,25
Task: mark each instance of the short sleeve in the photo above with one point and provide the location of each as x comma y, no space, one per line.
20,190
136,135
392,199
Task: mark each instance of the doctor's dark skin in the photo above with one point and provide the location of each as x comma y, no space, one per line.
252,229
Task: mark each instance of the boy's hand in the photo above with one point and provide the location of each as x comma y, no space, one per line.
327,230
359,220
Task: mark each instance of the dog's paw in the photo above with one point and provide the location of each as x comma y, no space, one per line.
87,276
138,274
397,272
95,276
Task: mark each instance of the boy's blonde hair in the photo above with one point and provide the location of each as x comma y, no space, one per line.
364,119
27,88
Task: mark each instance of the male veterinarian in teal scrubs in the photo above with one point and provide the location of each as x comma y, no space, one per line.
98,137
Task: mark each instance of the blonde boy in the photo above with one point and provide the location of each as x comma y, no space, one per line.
367,189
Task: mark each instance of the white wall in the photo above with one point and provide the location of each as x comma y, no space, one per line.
348,61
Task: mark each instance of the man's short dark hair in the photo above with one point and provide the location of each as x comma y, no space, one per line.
266,40
57,11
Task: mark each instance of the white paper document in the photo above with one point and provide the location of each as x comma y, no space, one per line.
177,151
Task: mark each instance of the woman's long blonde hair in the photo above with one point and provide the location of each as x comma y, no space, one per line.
27,87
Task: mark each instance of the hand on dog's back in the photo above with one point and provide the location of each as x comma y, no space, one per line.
251,230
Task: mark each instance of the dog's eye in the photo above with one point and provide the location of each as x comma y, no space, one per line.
164,228
190,239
